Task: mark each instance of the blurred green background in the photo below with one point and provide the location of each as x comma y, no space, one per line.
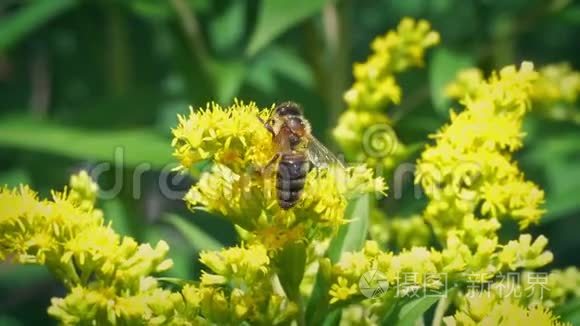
80,79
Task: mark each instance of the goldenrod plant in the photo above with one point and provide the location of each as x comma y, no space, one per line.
364,130
554,95
338,257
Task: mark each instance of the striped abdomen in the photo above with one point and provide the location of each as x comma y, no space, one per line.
290,178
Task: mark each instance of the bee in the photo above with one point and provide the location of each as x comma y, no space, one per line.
297,152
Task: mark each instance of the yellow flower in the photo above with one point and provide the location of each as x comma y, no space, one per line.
524,253
240,288
465,84
238,264
341,290
83,190
233,137
557,82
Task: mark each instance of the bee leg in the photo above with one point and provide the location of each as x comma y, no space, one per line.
267,125
268,165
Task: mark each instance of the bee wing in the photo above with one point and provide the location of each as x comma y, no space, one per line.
321,156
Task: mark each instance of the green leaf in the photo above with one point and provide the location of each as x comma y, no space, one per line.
412,311
443,69
6,320
563,179
15,27
279,61
18,276
14,177
197,238
350,237
128,148
411,7
227,30
291,264
179,282
228,77
570,15
153,10
291,65
318,303
556,157
115,212
277,16
181,255
570,311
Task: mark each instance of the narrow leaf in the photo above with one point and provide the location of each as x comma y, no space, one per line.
228,77
443,69
570,311
16,26
291,264
13,178
181,255
197,238
114,212
277,16
128,148
226,30
350,237
412,311
19,276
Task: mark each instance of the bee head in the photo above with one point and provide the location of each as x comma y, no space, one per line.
288,109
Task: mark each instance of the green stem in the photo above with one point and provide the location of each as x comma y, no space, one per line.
442,306
118,51
336,32
190,26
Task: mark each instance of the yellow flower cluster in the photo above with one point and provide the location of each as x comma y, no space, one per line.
233,137
238,288
557,83
423,269
554,93
560,286
503,314
399,232
375,88
108,275
469,175
239,146
471,182
526,298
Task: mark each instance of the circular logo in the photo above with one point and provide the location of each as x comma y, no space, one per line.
373,284
379,141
